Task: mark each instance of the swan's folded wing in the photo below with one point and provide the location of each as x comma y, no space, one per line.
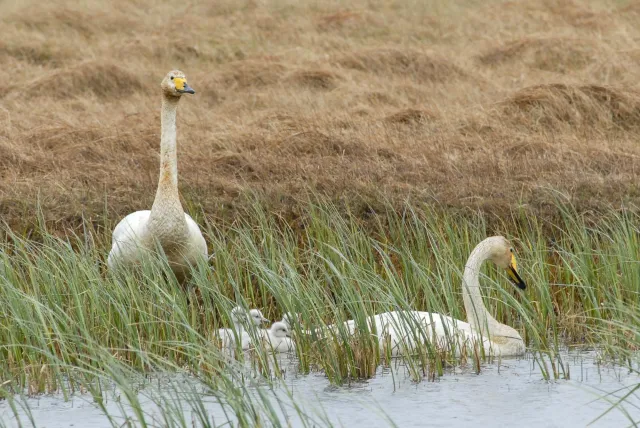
126,237
130,227
196,235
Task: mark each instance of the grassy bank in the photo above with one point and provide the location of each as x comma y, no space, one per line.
59,303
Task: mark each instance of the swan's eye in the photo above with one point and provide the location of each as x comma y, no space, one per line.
171,77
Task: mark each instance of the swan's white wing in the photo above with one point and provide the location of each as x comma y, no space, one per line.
405,329
130,226
126,236
450,332
195,235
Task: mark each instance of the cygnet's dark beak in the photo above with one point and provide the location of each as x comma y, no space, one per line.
187,89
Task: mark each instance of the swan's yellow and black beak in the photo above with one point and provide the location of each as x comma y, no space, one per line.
512,271
182,86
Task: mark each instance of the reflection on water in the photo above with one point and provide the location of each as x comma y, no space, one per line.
511,393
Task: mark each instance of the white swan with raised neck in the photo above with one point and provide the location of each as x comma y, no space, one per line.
166,224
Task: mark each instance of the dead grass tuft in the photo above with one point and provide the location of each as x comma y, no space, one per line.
633,8
316,143
92,20
229,164
593,106
103,79
338,20
549,53
578,14
279,122
13,159
250,73
51,19
36,52
411,116
323,80
405,63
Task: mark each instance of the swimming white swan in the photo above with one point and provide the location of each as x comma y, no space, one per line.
240,318
278,338
166,223
402,330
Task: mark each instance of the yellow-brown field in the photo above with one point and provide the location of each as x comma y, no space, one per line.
489,105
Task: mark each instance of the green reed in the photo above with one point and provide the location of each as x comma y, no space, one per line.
68,324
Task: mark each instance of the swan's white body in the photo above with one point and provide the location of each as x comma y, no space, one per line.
228,338
131,230
277,338
166,225
239,317
401,331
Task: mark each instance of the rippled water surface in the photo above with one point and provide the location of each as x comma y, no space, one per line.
511,393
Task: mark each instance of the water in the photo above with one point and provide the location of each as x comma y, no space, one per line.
512,393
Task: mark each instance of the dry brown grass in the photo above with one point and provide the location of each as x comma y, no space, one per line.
485,106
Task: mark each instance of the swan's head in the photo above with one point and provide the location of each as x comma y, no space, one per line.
238,315
175,84
256,317
280,330
502,254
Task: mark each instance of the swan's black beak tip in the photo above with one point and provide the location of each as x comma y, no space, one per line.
187,90
515,278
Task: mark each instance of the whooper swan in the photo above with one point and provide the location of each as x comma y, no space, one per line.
166,224
401,331
278,338
240,318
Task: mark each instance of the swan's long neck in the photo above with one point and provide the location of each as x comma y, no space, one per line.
238,327
477,314
167,221
168,182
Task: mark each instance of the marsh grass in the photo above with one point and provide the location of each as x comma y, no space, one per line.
68,324
58,297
